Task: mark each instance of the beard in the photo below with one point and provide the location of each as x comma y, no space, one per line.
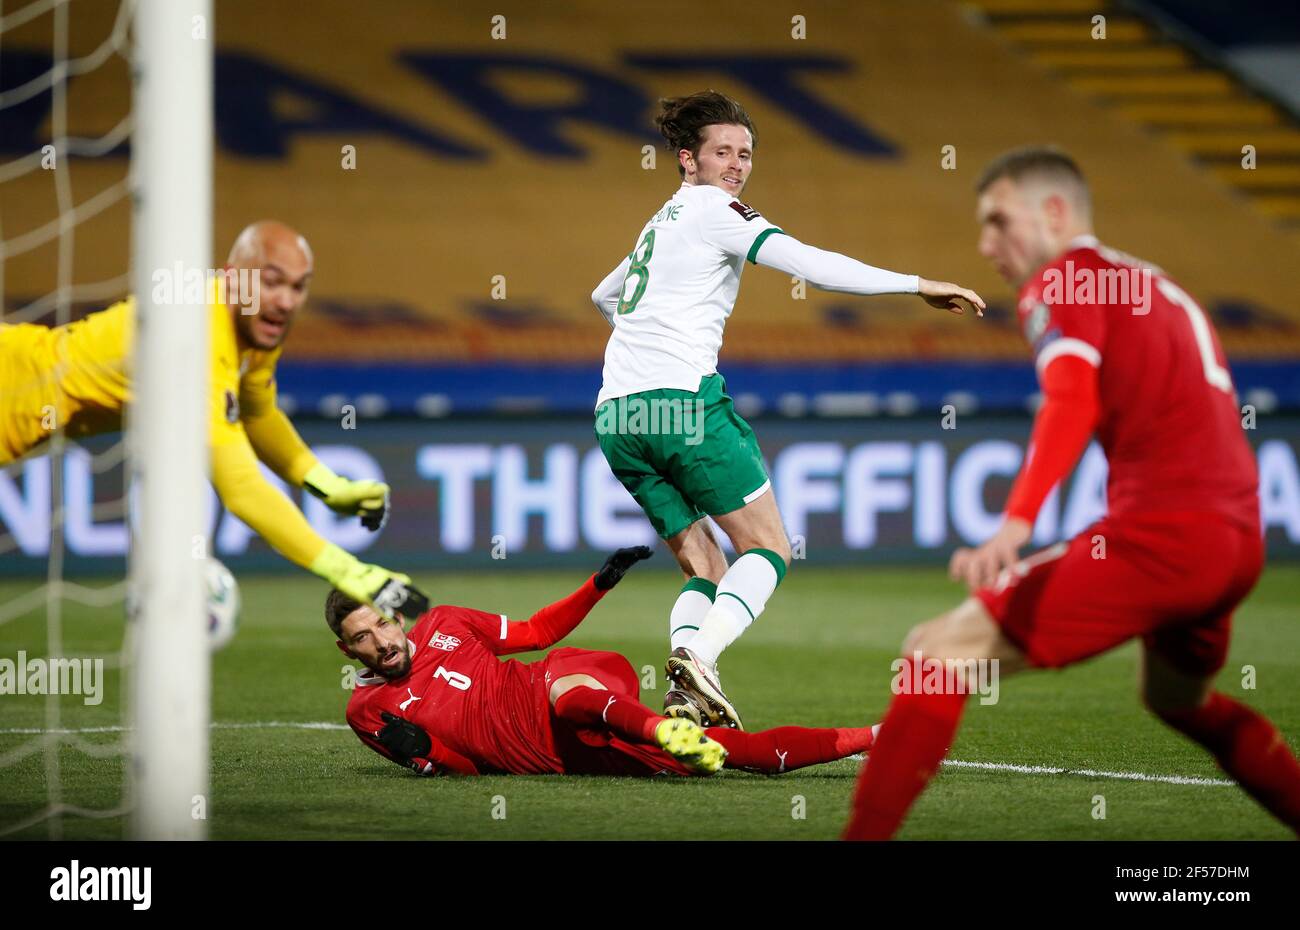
264,342
392,673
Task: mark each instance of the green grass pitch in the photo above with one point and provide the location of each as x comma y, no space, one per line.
819,656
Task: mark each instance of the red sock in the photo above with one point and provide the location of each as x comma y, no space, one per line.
784,749
1249,748
591,707
914,738
852,740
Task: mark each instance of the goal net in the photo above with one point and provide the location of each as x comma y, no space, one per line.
105,180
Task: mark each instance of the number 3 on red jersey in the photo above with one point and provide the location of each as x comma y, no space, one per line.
455,679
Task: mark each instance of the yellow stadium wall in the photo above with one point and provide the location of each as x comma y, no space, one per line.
409,241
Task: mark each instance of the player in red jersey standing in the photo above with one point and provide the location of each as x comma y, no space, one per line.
439,700
1124,353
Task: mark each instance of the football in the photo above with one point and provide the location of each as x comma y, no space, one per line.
223,604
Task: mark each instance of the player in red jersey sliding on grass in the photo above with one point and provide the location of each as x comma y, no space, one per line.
438,699
1123,352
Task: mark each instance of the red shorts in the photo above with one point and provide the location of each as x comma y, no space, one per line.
589,751
609,668
1172,578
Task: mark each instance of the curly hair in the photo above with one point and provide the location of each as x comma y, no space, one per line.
682,120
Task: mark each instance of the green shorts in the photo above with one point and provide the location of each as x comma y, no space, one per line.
682,454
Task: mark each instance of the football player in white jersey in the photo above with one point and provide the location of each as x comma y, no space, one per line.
663,417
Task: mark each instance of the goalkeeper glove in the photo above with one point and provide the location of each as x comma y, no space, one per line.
389,593
402,738
368,499
611,573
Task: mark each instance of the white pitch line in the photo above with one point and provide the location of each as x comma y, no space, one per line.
257,725
955,763
1090,773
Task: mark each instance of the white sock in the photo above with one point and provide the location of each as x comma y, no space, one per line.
689,610
742,595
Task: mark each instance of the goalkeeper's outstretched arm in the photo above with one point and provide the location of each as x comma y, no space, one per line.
250,497
278,444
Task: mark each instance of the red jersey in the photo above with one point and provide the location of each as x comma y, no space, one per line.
494,714
485,716
1169,420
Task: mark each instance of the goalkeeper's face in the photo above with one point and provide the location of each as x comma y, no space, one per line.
379,644
271,276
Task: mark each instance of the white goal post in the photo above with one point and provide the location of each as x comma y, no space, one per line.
171,181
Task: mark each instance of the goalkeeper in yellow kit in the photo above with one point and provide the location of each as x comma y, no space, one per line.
78,377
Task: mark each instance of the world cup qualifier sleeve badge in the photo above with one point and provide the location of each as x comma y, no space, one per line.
232,407
1036,322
